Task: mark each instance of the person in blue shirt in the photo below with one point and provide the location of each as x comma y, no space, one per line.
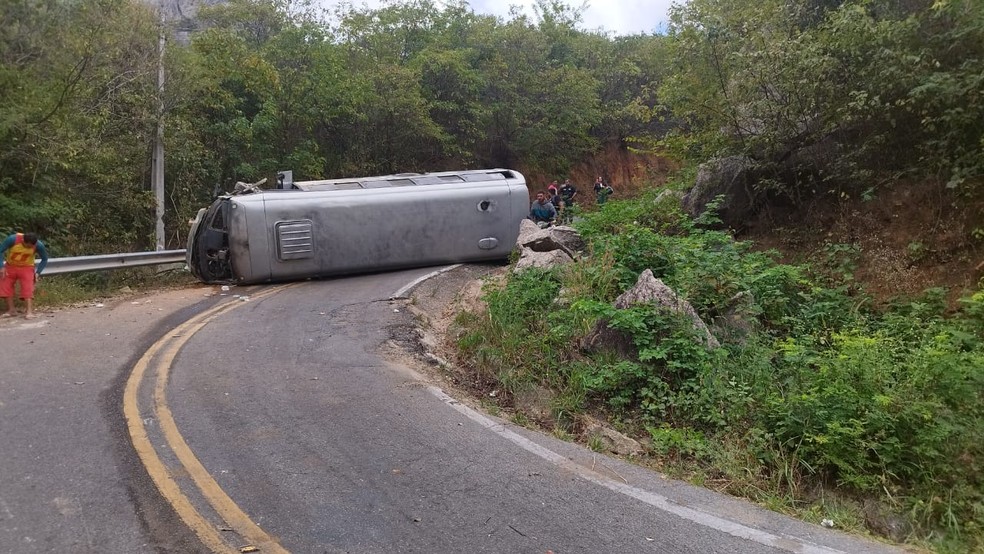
542,211
17,253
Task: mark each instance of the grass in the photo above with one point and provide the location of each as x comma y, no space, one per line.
490,407
60,290
815,403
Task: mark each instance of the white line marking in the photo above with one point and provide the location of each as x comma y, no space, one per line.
406,288
787,543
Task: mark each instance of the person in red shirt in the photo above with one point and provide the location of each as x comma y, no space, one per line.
17,254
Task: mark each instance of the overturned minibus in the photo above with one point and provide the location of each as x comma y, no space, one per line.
342,226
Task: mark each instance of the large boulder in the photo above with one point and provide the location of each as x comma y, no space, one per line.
546,248
526,229
545,260
647,290
553,238
559,237
733,178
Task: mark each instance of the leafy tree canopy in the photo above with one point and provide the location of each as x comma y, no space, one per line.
814,91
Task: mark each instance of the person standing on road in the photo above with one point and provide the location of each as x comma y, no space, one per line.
17,254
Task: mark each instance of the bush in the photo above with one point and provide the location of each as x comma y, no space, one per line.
886,404
56,290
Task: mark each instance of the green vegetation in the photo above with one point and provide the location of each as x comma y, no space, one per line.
811,389
263,86
59,290
832,95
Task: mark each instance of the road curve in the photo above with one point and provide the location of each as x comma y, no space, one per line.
69,479
289,408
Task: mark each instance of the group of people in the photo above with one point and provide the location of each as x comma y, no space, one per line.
556,201
551,204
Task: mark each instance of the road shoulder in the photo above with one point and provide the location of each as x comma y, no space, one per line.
69,476
426,343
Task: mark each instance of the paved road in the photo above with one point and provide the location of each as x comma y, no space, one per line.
288,404
292,413
69,480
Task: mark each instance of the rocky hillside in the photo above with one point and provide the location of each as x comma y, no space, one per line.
181,13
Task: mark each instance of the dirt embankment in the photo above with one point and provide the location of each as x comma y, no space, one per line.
908,238
627,171
426,338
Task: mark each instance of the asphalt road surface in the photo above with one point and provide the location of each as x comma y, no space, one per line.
276,422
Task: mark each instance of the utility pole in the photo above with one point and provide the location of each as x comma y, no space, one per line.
157,171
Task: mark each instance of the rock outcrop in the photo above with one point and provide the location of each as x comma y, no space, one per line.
545,248
647,290
182,15
883,520
544,260
733,178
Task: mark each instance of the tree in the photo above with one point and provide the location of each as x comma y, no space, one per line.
79,82
833,92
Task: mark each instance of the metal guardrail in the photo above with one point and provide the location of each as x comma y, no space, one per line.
77,264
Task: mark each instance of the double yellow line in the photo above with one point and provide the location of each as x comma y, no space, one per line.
234,518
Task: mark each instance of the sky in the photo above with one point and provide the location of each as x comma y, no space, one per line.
621,17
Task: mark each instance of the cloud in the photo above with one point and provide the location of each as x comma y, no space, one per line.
625,17
622,17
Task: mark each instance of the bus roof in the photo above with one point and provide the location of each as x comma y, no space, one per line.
408,179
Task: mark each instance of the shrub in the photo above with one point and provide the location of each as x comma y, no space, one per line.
821,390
